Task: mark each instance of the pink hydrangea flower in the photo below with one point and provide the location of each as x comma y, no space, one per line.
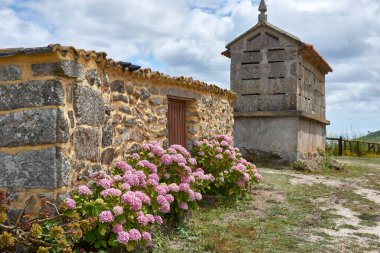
185,187
169,198
153,179
70,203
160,189
166,159
118,210
219,156
166,175
183,206
134,235
227,152
198,196
240,183
111,192
143,197
123,237
165,207
185,179
152,182
191,195
143,220
125,187
104,183
158,151
172,150
150,218
197,143
84,190
161,199
131,179
193,161
173,187
117,228
258,176
201,153
117,178
181,149
130,198
188,169
158,219
224,143
178,158
123,166
146,236
135,156
105,216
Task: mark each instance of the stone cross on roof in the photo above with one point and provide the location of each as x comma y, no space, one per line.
263,8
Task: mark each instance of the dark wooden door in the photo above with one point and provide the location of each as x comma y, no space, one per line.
177,122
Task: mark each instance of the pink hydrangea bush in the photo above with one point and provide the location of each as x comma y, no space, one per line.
180,179
232,173
127,204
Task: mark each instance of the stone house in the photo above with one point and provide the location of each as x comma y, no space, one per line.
280,84
65,113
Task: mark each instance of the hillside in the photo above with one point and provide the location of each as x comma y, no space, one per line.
371,137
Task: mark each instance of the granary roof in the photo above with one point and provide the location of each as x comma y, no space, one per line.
126,67
305,48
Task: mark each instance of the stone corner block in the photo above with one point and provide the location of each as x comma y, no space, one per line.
44,169
64,68
31,94
33,127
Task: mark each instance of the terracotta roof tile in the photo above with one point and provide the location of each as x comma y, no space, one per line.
101,57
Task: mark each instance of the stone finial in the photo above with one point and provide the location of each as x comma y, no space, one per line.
263,8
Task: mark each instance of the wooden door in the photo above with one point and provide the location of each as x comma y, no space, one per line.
177,122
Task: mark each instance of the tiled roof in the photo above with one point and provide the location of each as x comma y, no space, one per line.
130,69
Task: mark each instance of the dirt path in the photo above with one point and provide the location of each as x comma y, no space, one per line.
363,163
350,226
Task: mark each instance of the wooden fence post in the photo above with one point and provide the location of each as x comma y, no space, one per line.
357,145
340,146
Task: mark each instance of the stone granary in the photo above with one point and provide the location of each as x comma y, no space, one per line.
65,113
280,85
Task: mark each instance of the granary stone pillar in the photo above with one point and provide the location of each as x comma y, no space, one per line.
280,85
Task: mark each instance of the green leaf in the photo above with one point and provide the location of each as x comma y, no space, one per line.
130,246
98,244
91,236
102,229
103,243
112,241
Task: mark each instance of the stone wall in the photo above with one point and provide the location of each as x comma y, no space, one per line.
311,88
264,72
65,113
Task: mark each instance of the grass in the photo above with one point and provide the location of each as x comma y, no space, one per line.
358,169
278,217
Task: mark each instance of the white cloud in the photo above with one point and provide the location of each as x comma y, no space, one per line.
185,37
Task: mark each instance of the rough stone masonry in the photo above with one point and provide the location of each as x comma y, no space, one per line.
65,113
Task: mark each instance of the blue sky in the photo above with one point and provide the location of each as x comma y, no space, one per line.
185,38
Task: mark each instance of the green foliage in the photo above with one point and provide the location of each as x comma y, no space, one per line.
299,165
49,231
